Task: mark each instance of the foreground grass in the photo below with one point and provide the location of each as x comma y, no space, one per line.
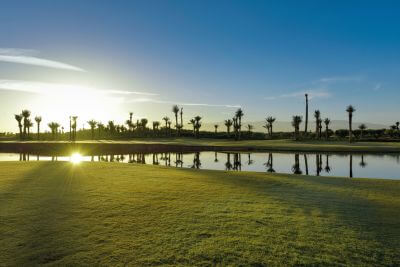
275,145
110,214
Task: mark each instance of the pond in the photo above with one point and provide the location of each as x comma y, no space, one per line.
385,166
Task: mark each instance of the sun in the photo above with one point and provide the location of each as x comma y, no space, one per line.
76,158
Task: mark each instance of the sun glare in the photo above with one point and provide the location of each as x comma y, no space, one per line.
76,158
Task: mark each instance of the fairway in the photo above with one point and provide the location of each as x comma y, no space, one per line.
116,214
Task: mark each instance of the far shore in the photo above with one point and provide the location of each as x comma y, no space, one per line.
190,145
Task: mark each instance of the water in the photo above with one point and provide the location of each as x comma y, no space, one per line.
366,166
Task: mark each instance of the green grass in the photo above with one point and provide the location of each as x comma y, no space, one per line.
114,214
276,145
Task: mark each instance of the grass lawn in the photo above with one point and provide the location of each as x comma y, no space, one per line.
111,214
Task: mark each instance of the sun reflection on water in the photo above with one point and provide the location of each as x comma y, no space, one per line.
76,158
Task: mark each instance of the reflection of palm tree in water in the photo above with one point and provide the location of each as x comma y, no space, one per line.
237,162
363,164
179,160
296,167
327,167
351,166
228,164
270,163
216,157
249,160
155,159
318,159
196,161
306,163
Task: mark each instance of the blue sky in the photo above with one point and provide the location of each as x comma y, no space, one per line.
208,56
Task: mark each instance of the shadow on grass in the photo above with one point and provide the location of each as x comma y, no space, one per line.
35,213
372,213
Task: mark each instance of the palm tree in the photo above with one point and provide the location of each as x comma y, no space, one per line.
38,119
92,124
327,122
216,128
29,124
143,123
54,128
270,121
197,120
193,123
19,120
239,114
175,110
166,119
350,109
296,121
305,129
397,125
100,127
228,124
362,128
181,113
74,124
249,128
130,116
25,114
317,116
156,124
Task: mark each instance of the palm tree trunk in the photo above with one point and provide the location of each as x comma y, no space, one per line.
305,129
306,163
326,133
351,166
38,131
350,130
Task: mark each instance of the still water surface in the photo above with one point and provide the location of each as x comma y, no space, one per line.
346,165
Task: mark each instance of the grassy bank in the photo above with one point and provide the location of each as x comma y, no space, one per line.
105,213
218,144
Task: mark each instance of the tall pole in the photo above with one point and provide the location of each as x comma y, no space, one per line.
305,130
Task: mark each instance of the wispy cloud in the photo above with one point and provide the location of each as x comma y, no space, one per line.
55,88
141,100
25,56
355,78
311,94
377,87
318,93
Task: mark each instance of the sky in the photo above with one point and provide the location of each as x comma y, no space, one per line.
103,59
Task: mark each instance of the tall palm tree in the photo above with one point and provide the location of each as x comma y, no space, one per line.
54,128
216,128
38,119
270,121
228,124
239,114
18,118
350,110
130,116
197,120
362,128
193,123
296,121
25,114
317,116
305,129
397,125
100,127
175,110
166,119
92,124
29,124
249,128
181,113
74,124
327,122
